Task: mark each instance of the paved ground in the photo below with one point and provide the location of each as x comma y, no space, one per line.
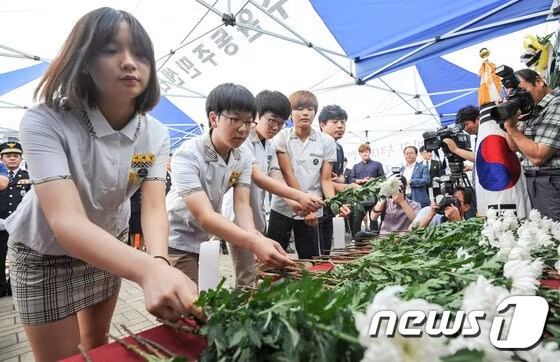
130,311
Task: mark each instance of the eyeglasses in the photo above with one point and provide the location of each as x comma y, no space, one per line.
238,122
274,123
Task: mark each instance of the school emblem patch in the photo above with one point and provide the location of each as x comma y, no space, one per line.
141,163
234,176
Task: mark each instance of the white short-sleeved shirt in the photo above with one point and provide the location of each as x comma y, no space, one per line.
306,159
265,156
107,167
197,167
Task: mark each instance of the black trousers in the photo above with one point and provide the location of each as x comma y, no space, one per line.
544,193
326,231
3,252
358,217
306,237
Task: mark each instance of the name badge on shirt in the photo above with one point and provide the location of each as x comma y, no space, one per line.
139,166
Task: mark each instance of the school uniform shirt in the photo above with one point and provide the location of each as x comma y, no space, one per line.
306,159
197,167
264,153
107,167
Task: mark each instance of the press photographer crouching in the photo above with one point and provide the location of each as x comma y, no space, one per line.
395,213
538,139
445,208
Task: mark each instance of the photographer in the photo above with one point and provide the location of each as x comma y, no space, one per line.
454,210
397,212
539,142
469,118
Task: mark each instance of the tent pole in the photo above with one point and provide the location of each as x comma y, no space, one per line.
432,41
321,51
398,94
26,55
209,7
457,31
183,88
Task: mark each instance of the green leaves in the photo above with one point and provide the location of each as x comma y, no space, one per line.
355,197
312,318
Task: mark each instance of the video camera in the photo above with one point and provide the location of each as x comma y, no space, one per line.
447,197
518,98
433,141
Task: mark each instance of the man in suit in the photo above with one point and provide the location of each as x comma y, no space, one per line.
18,185
417,177
435,169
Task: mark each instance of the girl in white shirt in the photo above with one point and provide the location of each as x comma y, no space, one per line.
89,146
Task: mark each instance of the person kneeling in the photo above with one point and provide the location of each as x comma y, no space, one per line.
454,211
397,212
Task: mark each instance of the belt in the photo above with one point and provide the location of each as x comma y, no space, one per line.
537,173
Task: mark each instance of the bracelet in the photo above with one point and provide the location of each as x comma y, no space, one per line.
161,257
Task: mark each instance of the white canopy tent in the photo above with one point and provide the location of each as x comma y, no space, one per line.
266,49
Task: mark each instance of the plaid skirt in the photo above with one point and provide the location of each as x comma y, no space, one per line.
48,288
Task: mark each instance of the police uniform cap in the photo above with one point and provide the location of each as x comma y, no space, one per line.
10,147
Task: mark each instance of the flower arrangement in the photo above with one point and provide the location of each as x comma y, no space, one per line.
471,265
380,187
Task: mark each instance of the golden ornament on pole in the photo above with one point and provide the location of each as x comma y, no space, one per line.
490,84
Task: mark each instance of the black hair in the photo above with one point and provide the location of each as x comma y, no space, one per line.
529,76
68,75
332,111
230,97
413,147
422,149
467,194
274,102
468,113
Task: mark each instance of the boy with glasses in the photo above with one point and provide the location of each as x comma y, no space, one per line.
204,168
273,108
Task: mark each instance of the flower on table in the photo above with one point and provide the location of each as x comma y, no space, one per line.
390,187
524,275
398,348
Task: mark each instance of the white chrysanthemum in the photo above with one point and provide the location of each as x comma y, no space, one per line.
509,221
519,252
462,254
390,187
550,353
488,237
557,266
555,231
542,238
482,295
542,353
534,215
506,242
491,215
525,275
397,348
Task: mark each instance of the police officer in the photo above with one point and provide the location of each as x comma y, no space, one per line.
19,184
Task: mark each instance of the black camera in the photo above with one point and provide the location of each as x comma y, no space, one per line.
433,141
518,98
444,201
447,197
